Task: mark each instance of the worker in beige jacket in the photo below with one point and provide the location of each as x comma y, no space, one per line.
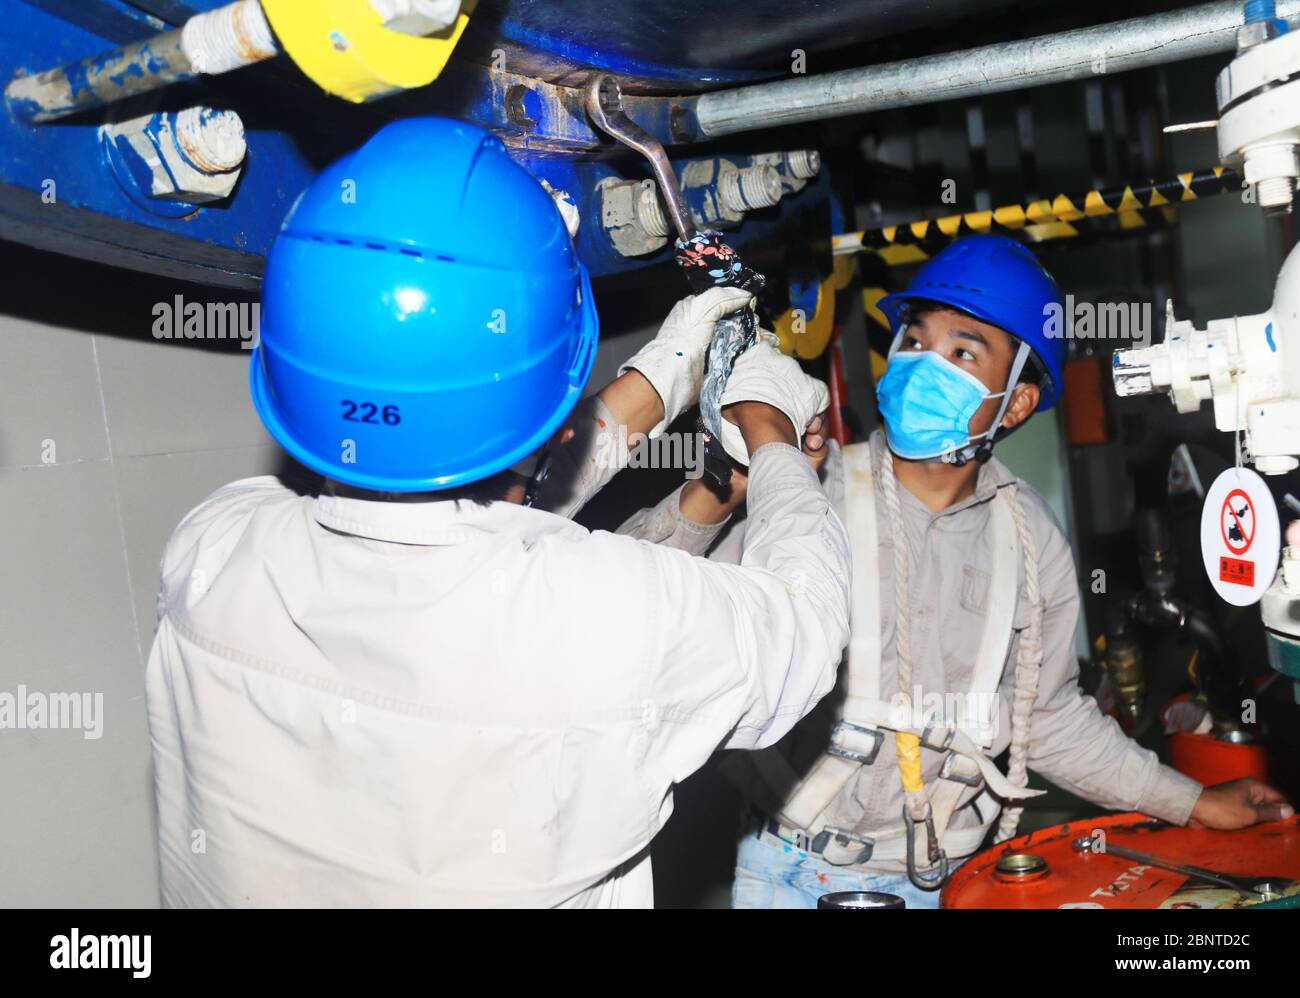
966,647
416,688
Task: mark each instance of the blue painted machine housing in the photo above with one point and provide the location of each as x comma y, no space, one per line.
57,191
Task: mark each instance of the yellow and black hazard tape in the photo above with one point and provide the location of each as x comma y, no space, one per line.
1132,206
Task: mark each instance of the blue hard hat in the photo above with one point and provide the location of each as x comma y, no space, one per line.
425,320
999,281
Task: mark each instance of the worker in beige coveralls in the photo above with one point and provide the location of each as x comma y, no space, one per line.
967,645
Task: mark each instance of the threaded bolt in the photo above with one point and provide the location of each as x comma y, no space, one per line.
1260,10
804,164
1275,195
751,187
650,212
227,38
212,140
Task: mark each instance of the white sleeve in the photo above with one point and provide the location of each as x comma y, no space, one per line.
746,650
664,523
583,466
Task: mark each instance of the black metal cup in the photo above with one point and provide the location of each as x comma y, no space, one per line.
860,899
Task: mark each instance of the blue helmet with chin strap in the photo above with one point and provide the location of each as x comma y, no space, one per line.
998,281
425,320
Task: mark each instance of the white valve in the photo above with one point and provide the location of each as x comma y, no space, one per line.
1248,366
417,17
1259,119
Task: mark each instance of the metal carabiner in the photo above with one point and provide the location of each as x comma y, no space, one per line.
937,857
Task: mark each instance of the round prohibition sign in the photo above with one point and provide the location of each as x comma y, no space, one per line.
1232,521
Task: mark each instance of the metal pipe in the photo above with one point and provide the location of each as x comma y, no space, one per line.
212,42
132,69
1031,62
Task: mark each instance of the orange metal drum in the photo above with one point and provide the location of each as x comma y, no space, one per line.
1074,879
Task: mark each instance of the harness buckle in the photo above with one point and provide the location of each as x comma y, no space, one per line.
862,758
843,837
948,734
933,879
948,771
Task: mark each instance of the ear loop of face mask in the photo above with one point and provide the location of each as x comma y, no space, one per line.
1013,378
959,455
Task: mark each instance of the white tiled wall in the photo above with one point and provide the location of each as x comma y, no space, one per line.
105,442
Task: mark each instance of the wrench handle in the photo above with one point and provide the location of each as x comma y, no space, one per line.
605,106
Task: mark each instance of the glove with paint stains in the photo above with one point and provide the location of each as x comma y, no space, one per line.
707,261
673,362
764,374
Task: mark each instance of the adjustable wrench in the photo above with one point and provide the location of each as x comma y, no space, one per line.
706,260
1264,888
605,105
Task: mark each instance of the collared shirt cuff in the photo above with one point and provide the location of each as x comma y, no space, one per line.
684,522
775,467
1171,796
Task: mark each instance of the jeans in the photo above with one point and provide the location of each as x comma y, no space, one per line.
773,874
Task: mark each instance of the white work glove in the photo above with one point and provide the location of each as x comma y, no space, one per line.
673,362
764,374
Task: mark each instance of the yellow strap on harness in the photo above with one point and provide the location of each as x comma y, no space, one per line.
908,748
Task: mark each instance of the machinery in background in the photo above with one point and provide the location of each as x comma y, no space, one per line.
1173,654
1280,610
1158,642
1157,610
1249,366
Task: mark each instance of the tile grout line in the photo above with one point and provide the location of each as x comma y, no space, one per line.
268,444
117,503
56,464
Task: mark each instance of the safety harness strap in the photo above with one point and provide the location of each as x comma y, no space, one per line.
854,741
864,716
890,844
864,608
991,659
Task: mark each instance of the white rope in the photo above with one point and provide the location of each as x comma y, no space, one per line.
1029,660
1029,656
918,804
902,611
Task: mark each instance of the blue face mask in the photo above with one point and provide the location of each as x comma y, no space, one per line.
927,403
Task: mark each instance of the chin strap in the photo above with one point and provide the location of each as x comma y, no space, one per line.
535,467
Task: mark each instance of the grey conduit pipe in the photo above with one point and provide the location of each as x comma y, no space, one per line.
1031,62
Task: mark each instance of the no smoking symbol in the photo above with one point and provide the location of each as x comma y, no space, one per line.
1237,522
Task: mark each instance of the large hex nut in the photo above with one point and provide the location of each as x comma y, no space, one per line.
193,156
